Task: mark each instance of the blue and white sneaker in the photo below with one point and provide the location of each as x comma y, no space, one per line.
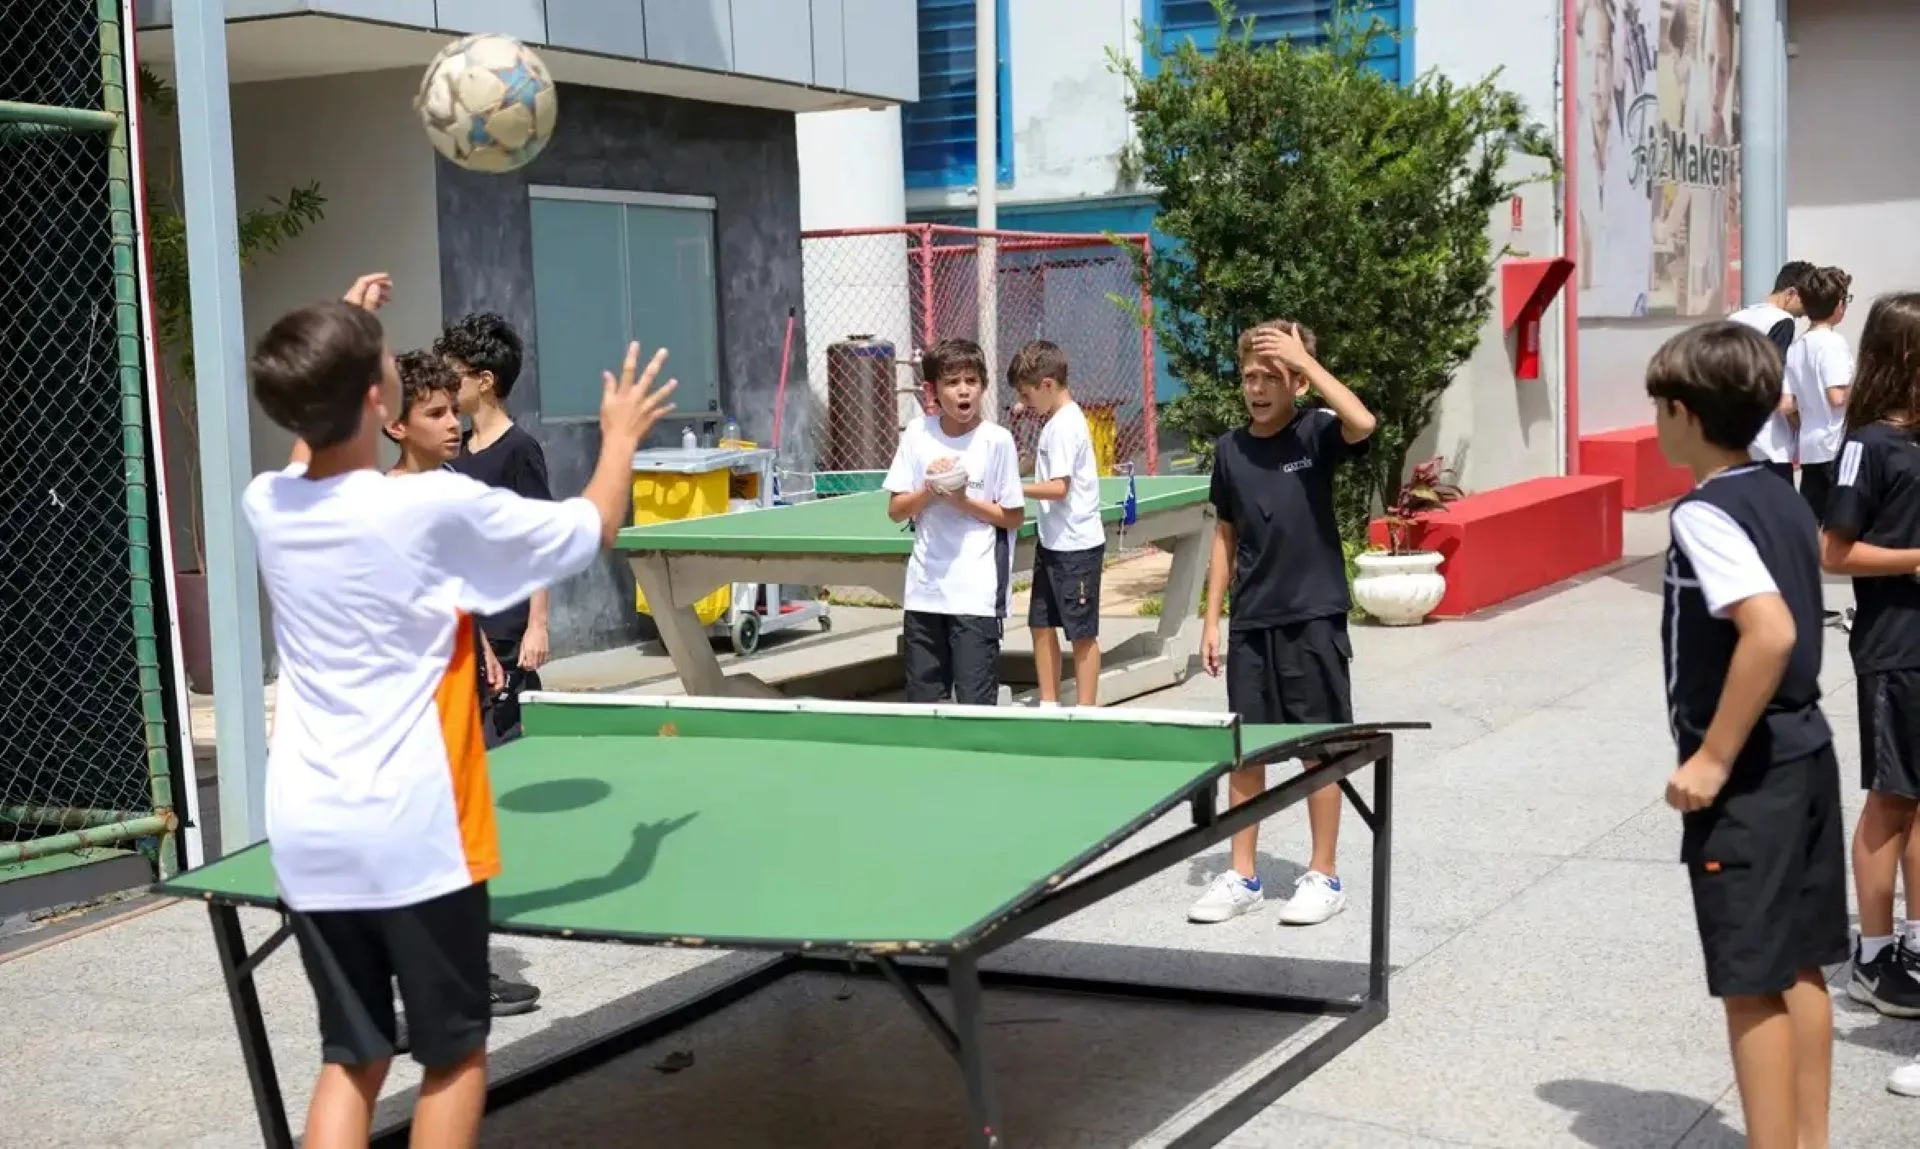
1228,896
1316,897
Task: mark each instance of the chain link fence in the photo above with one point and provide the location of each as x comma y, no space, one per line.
877,298
84,749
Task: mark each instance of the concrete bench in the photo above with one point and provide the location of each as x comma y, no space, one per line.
1504,543
1632,455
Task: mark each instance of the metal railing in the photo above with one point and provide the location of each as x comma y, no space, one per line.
85,755
877,298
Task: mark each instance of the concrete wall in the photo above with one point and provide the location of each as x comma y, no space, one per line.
858,46
360,141
1853,201
745,159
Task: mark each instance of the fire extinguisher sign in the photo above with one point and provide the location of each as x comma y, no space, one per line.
1519,209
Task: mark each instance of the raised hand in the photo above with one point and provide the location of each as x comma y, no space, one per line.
370,292
1283,346
630,405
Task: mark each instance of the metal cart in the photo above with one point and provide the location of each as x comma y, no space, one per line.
753,609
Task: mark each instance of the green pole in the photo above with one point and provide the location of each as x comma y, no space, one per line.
152,825
65,119
65,817
133,431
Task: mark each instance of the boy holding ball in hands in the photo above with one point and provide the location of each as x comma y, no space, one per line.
1287,651
956,477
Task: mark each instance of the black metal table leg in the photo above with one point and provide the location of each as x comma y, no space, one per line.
1379,955
270,1107
983,1113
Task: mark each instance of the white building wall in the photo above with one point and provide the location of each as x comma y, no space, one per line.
358,137
851,176
1854,202
1070,119
1494,428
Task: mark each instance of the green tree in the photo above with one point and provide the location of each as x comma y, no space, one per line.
1297,182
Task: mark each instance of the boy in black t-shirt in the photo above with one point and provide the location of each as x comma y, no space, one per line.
485,352
1757,785
1873,534
1276,539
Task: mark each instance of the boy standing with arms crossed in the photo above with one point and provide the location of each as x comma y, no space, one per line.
1758,786
485,352
1819,372
1287,652
378,805
1777,317
1073,545
960,577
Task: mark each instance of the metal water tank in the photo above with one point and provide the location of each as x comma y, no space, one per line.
863,424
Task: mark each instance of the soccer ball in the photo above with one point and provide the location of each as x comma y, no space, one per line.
488,103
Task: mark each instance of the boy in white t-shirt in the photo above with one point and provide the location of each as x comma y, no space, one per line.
1819,372
959,580
1777,317
1073,544
378,805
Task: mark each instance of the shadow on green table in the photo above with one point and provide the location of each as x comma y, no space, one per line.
629,871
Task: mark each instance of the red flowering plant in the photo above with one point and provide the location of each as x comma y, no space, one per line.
1427,490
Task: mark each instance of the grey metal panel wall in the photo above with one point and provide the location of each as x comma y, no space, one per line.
521,19
746,159
883,40
773,38
829,44
697,33
611,29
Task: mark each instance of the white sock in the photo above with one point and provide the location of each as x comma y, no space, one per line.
1872,948
1046,703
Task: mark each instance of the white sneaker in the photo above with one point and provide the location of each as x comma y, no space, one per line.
1905,1080
1228,896
1316,897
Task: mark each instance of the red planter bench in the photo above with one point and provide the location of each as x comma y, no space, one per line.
1507,542
1632,455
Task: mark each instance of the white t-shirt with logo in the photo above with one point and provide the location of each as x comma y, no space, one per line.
377,791
1066,452
1820,359
1775,443
960,565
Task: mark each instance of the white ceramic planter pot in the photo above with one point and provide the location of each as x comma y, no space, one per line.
1398,590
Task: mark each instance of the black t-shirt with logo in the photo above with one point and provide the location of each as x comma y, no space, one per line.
1876,500
515,462
1277,493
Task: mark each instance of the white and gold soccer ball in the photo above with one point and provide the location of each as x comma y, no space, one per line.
488,103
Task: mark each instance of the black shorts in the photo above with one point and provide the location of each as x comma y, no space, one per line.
1296,673
500,713
436,951
1066,592
952,656
1816,484
1890,731
1768,864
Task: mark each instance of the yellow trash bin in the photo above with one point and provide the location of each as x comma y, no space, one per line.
668,496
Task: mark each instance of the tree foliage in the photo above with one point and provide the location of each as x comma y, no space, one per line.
1298,182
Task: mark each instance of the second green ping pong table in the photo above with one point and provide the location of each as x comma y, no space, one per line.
902,842
847,540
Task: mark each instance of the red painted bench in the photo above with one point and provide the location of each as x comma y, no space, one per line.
1504,543
1632,455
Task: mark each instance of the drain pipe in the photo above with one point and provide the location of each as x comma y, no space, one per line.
1570,236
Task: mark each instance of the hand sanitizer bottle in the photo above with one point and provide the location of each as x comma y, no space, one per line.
731,432
688,441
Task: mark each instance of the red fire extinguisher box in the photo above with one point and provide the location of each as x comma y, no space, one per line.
1527,288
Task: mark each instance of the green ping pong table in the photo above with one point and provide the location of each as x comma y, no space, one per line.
901,842
847,540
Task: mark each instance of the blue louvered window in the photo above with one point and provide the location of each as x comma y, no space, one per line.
1302,21
937,131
